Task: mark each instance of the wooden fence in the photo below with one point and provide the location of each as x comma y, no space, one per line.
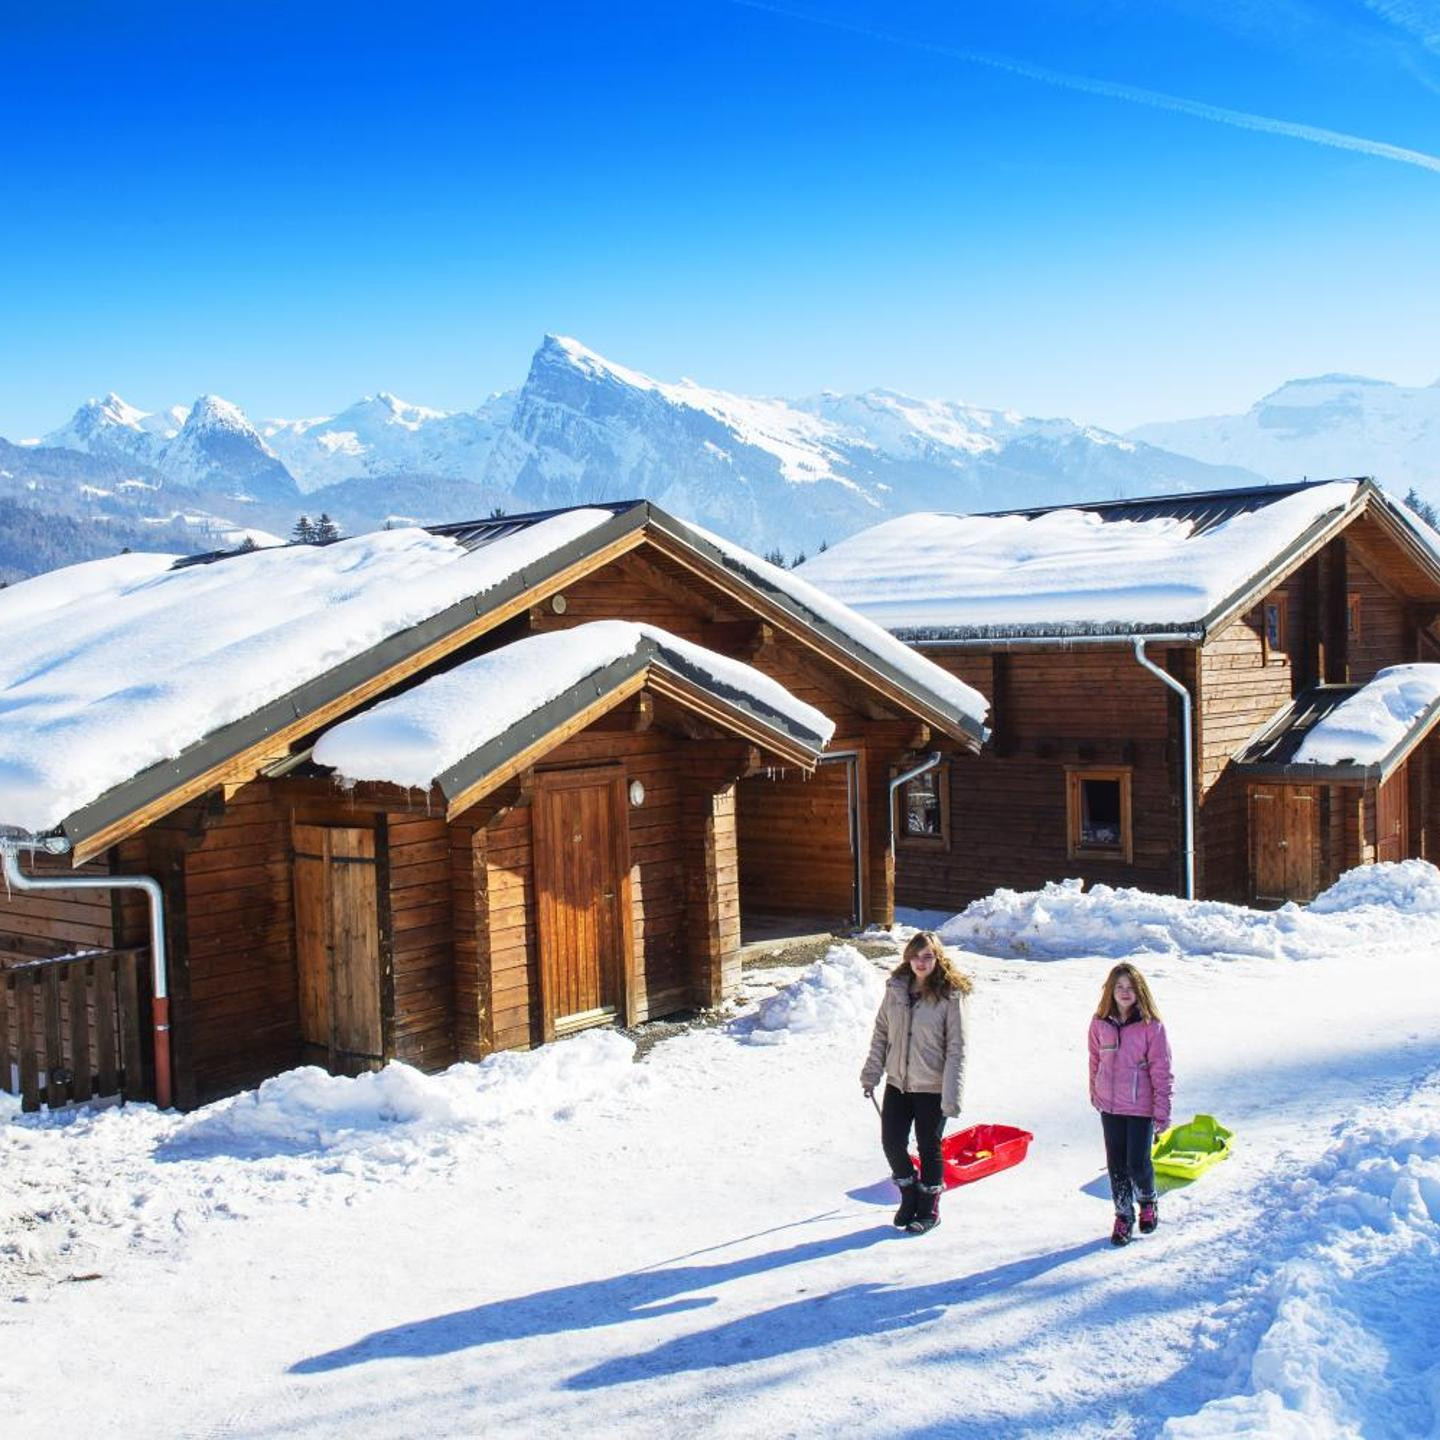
70,1027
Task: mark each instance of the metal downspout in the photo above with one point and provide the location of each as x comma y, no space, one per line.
160,1004
1187,705
929,763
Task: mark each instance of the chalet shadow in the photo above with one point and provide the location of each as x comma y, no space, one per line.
548,819
1276,613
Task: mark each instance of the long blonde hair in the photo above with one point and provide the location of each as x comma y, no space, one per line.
945,979
1144,1000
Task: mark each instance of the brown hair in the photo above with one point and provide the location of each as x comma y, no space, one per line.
1144,1000
945,979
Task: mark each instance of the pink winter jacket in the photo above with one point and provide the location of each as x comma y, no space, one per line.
1130,1069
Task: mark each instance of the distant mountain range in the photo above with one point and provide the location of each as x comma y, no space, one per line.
1326,426
770,473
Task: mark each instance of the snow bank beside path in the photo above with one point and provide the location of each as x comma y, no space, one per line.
1064,919
80,1184
1347,1340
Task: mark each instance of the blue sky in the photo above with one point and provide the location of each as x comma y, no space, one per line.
294,204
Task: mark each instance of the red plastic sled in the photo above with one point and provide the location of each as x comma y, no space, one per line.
981,1150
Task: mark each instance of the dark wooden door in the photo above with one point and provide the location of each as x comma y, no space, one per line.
582,897
337,943
1284,841
1392,816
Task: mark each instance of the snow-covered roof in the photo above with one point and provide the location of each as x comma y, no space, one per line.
126,678
1065,571
113,666
1369,726
416,738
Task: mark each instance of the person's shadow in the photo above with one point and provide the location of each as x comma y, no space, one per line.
635,1295
867,1308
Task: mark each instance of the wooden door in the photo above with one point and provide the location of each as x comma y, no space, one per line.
1392,816
580,822
1284,841
337,943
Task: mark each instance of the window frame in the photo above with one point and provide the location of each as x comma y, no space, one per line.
1354,611
1075,847
906,839
1279,652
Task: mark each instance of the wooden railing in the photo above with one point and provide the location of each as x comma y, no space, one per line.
70,1027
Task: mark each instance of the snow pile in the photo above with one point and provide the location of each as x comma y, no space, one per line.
840,992
1364,729
144,661
1406,886
1064,919
1346,1342
1065,571
414,738
308,1111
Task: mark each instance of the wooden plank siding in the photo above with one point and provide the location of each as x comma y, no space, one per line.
1055,709
421,934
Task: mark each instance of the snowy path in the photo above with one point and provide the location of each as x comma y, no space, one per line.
700,1242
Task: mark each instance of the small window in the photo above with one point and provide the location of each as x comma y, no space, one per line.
1099,813
1352,617
924,809
1274,628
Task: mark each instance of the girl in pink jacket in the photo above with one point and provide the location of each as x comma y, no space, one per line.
1130,1086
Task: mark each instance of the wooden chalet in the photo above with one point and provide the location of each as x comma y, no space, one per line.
1314,590
592,860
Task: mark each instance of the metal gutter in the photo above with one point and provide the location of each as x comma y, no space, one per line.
1188,764
1121,638
10,848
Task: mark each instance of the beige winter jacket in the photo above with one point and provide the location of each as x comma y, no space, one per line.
919,1046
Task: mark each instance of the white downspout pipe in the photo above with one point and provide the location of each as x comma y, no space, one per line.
10,848
1187,704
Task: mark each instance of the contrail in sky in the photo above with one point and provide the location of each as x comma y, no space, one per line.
1155,99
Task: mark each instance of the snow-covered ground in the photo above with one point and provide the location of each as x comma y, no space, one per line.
568,1242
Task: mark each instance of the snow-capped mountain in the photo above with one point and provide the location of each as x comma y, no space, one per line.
770,473
114,429
773,472
219,449
384,435
1327,425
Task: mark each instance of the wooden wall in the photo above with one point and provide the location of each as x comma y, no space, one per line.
58,922
1051,710
421,938
1387,636
794,840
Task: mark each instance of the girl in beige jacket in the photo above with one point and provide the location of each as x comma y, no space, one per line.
919,1045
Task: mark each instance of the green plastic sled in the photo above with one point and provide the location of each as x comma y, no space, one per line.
1188,1150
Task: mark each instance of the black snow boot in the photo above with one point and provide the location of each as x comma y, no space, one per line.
927,1212
909,1198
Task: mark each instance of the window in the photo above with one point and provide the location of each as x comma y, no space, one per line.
923,809
1352,617
1273,628
1098,813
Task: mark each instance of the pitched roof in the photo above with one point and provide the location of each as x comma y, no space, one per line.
1348,732
125,681
469,728
1167,564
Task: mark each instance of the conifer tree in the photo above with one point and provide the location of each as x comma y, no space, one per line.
304,531
327,532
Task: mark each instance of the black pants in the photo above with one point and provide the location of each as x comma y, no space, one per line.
901,1110
1128,1139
